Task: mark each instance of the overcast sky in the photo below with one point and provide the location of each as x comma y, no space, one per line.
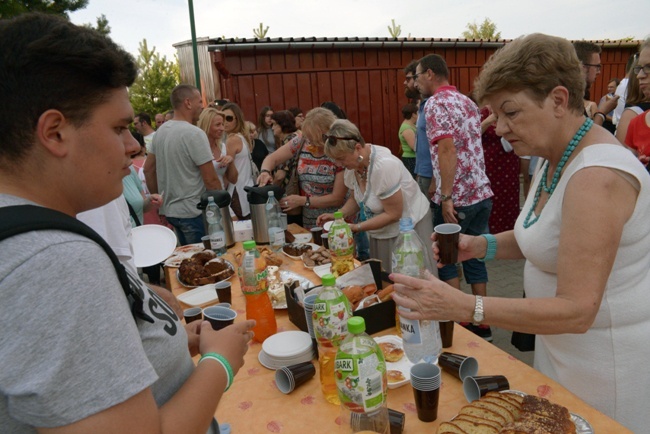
165,22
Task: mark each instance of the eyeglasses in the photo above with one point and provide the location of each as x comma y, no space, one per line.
597,66
331,140
229,118
416,75
644,68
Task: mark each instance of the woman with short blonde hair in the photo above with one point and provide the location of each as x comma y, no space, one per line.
321,182
380,186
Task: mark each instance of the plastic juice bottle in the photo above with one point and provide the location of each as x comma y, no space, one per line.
361,381
330,315
341,245
215,229
252,276
276,233
421,337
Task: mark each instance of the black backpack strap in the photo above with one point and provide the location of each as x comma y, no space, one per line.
19,219
134,215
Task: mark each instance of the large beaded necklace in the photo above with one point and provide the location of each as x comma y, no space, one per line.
586,126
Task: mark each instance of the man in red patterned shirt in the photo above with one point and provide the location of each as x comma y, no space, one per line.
463,193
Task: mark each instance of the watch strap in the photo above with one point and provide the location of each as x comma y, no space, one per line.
479,313
491,251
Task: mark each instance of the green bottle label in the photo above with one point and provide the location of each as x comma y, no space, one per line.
331,320
360,378
340,240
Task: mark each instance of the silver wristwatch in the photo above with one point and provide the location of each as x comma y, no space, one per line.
478,310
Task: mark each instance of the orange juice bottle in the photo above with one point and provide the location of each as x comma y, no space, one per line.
252,276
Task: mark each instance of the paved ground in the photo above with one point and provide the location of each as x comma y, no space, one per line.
505,280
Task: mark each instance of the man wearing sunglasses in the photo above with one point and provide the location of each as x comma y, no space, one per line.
180,165
462,189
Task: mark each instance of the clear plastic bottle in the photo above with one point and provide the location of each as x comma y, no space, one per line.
421,337
215,229
361,382
330,315
341,245
276,233
252,276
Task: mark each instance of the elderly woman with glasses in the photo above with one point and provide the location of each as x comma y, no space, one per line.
320,180
382,187
583,232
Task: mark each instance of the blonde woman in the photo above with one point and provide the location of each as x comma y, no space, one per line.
212,122
322,189
237,144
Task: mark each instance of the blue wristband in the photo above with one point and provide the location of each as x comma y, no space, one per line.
491,251
223,362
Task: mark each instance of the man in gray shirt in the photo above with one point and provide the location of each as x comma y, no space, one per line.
180,167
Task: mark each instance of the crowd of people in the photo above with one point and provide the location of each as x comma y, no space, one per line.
581,229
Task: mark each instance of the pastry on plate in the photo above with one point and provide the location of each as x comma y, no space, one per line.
395,376
392,352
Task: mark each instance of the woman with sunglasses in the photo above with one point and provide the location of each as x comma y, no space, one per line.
237,145
382,186
212,122
321,181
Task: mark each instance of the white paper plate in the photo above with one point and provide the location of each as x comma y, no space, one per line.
322,270
403,365
199,296
287,344
286,276
328,225
152,244
274,364
302,238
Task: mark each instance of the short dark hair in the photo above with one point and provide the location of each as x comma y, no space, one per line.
144,117
411,67
295,111
436,64
584,50
408,110
180,93
286,121
334,108
50,63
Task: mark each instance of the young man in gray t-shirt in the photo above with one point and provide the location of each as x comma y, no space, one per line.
74,358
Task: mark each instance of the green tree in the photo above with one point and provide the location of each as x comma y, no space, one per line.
394,30
486,30
156,78
102,25
261,31
11,8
